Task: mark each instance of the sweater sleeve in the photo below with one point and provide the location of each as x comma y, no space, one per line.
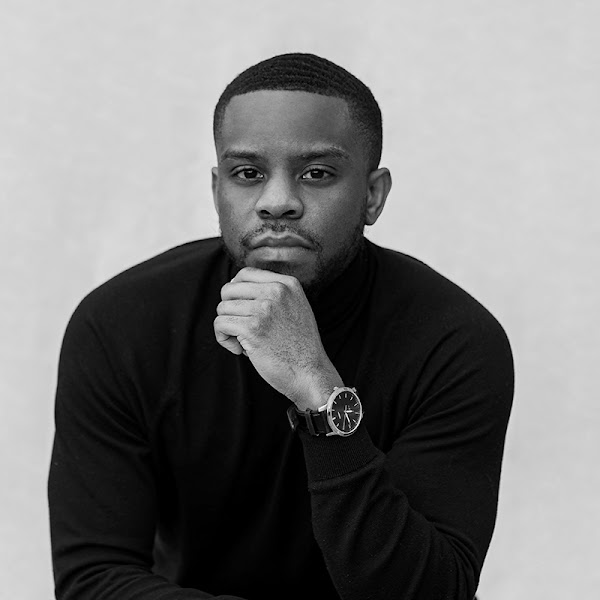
415,522
101,488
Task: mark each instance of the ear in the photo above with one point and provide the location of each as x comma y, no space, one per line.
215,184
380,184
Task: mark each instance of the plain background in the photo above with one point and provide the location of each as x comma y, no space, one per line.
492,134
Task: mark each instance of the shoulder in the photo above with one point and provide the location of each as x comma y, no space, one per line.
178,265
158,289
420,299
447,345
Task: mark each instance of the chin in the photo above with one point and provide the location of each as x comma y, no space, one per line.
300,272
314,275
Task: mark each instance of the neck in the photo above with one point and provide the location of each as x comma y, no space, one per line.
335,300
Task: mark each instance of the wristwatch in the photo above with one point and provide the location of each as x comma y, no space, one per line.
340,415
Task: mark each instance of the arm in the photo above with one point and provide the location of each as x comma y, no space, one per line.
101,489
416,523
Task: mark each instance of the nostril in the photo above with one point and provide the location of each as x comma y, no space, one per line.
277,208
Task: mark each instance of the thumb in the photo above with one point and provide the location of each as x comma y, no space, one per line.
229,342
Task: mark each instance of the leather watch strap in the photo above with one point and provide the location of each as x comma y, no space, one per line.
315,422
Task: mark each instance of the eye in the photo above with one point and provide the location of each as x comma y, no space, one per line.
316,174
248,174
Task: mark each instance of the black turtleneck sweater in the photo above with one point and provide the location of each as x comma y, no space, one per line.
175,474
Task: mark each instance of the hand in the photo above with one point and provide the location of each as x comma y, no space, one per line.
267,317
346,417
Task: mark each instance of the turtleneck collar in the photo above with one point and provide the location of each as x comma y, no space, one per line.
341,299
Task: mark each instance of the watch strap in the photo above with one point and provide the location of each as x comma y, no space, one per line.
315,422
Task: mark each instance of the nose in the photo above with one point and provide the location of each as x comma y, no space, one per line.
279,200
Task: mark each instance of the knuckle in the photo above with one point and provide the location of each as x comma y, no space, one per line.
265,307
254,324
278,290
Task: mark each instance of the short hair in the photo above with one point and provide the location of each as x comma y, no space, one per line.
310,73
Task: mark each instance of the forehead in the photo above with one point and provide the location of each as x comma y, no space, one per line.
281,121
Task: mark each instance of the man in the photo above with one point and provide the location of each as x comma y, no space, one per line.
176,473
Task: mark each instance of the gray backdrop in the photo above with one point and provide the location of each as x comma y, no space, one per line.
492,134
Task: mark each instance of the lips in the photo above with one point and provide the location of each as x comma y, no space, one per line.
285,240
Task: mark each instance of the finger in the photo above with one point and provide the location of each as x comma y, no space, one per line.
230,343
251,274
232,325
240,291
240,308
226,329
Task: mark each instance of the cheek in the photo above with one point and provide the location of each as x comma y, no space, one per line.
230,231
228,215
344,214
234,206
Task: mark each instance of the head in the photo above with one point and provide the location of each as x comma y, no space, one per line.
298,143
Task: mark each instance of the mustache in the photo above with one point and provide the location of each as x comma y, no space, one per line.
247,238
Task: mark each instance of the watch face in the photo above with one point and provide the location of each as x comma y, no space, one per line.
345,413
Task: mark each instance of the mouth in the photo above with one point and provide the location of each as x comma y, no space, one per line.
284,240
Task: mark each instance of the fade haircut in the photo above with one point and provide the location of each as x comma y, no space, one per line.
310,73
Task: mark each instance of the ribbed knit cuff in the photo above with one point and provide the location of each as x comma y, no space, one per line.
334,456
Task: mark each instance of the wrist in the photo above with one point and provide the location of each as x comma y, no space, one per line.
339,416
317,390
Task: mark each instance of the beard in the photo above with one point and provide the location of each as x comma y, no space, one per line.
325,271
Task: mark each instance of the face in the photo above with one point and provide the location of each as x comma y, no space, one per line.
292,185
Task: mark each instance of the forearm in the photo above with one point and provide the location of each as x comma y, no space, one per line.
93,559
104,582
374,543
127,583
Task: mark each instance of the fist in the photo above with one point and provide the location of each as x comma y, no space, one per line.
267,317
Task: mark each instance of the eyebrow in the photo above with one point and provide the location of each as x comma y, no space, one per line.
312,154
326,151
235,153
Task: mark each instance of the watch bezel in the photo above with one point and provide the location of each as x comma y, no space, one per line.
335,430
